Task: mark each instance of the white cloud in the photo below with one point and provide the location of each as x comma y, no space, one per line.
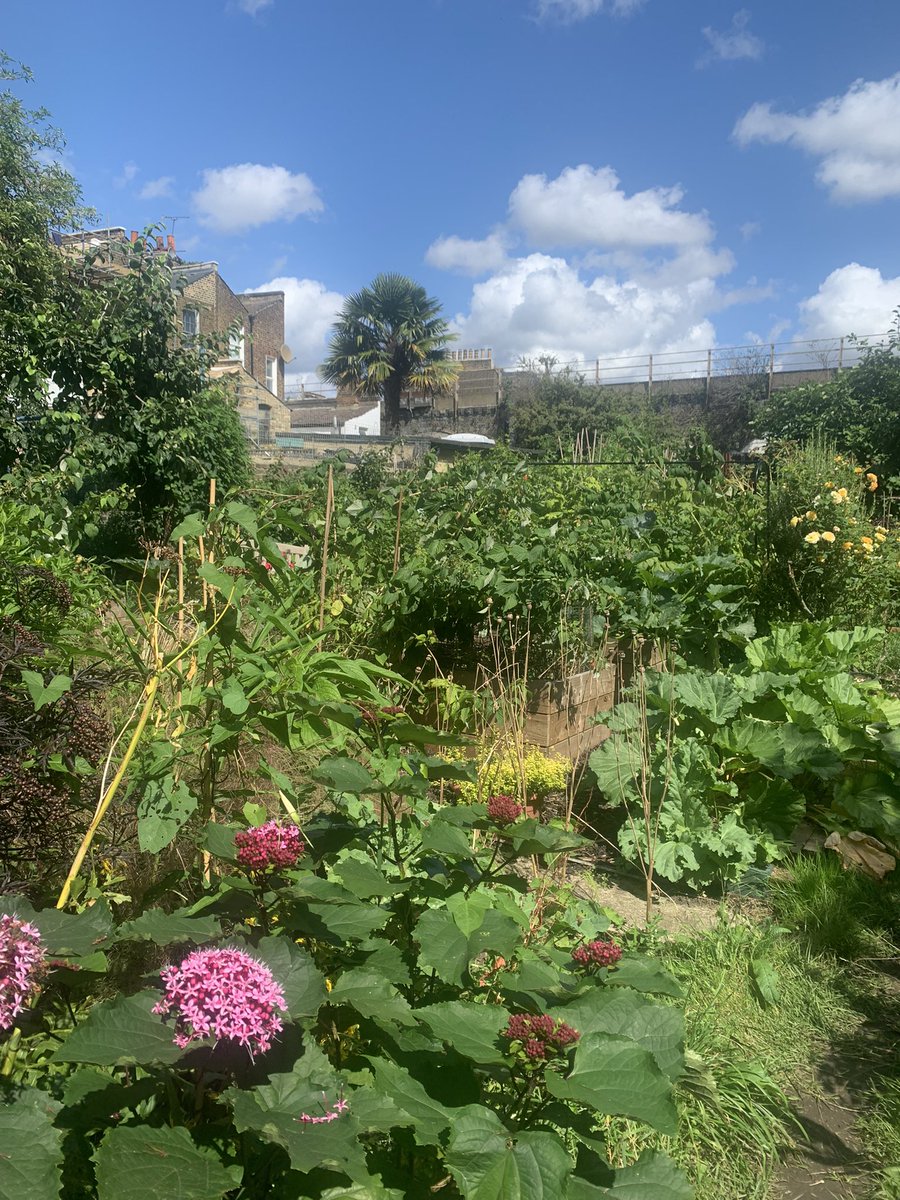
468,256
584,206
542,304
732,44
253,6
853,299
129,171
578,10
310,310
245,195
155,189
856,136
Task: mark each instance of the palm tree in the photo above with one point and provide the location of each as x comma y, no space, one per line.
388,339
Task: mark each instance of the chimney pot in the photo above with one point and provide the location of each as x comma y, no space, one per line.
159,243
134,236
170,242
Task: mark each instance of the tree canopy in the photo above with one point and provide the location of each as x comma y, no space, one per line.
390,338
858,410
90,373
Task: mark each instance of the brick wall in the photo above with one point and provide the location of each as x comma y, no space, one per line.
266,324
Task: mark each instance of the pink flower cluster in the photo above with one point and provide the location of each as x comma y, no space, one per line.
503,810
223,994
541,1036
22,966
269,845
599,953
331,1114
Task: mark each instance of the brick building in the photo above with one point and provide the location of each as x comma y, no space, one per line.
250,326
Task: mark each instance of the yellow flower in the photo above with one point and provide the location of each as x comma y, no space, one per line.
880,529
871,475
810,515
812,538
837,529
847,546
827,536
873,481
829,484
795,521
873,487
842,492
857,470
879,537
866,541
838,458
837,498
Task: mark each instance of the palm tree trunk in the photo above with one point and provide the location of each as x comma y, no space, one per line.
393,387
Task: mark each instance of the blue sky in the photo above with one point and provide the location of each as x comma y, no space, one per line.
577,177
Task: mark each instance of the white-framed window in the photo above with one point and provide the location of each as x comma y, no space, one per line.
190,324
236,345
272,374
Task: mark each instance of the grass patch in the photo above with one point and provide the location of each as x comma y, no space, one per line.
835,912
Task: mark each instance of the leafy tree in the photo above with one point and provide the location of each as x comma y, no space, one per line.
388,339
560,407
858,410
90,378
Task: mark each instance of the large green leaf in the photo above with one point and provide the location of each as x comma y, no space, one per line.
428,1117
471,1029
644,975
30,1148
617,1077
444,948
158,1164
121,1031
163,810
488,1164
653,1177
364,879
292,966
345,775
372,996
325,910
332,1145
712,696
658,1028
166,929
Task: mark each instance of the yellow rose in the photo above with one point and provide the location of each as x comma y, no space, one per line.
810,515
857,470
812,538
842,492
837,498
795,521
879,537
827,536
866,541
847,546
829,484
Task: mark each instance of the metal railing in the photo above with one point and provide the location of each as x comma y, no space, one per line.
762,360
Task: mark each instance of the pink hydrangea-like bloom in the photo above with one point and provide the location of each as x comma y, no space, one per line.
224,994
22,966
503,810
541,1036
599,953
269,845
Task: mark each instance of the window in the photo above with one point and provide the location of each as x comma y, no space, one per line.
236,345
264,424
272,375
190,324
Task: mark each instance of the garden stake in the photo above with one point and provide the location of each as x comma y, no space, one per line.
329,509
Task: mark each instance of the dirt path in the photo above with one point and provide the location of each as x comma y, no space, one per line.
831,1162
